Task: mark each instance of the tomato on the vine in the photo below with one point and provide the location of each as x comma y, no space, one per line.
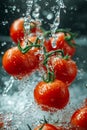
61,43
79,118
48,127
18,64
30,40
64,69
17,29
51,96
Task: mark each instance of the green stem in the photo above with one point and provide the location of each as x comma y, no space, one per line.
41,127
29,127
48,54
28,47
62,30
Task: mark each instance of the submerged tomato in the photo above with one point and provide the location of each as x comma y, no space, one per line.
79,118
51,96
64,69
61,43
47,127
17,64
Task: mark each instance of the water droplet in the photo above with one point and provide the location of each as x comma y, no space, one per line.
6,10
14,8
46,3
18,10
4,22
49,16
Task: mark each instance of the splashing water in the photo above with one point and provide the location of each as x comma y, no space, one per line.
27,18
56,21
17,106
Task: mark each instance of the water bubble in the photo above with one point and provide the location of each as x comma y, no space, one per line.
29,7
46,3
18,10
3,43
4,23
14,8
6,10
36,12
50,16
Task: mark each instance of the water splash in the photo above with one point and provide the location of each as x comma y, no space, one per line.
27,18
17,106
56,21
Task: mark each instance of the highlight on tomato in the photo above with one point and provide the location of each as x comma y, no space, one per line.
79,118
19,64
51,96
64,40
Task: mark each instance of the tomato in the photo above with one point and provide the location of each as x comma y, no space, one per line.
79,118
1,124
64,69
51,96
60,43
17,30
34,28
47,127
18,64
1,121
29,40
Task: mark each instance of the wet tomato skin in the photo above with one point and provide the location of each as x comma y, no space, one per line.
17,30
64,69
79,118
47,127
51,96
18,64
1,124
60,43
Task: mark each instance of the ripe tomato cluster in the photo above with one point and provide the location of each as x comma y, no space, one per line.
60,70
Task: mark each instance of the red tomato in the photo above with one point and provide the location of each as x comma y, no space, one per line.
34,28
19,64
47,127
79,118
1,121
1,124
64,69
61,43
51,96
17,30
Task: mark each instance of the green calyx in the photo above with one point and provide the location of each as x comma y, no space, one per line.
28,47
68,37
50,76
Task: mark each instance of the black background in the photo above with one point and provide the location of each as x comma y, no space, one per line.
74,18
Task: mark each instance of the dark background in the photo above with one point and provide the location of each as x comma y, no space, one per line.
74,18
